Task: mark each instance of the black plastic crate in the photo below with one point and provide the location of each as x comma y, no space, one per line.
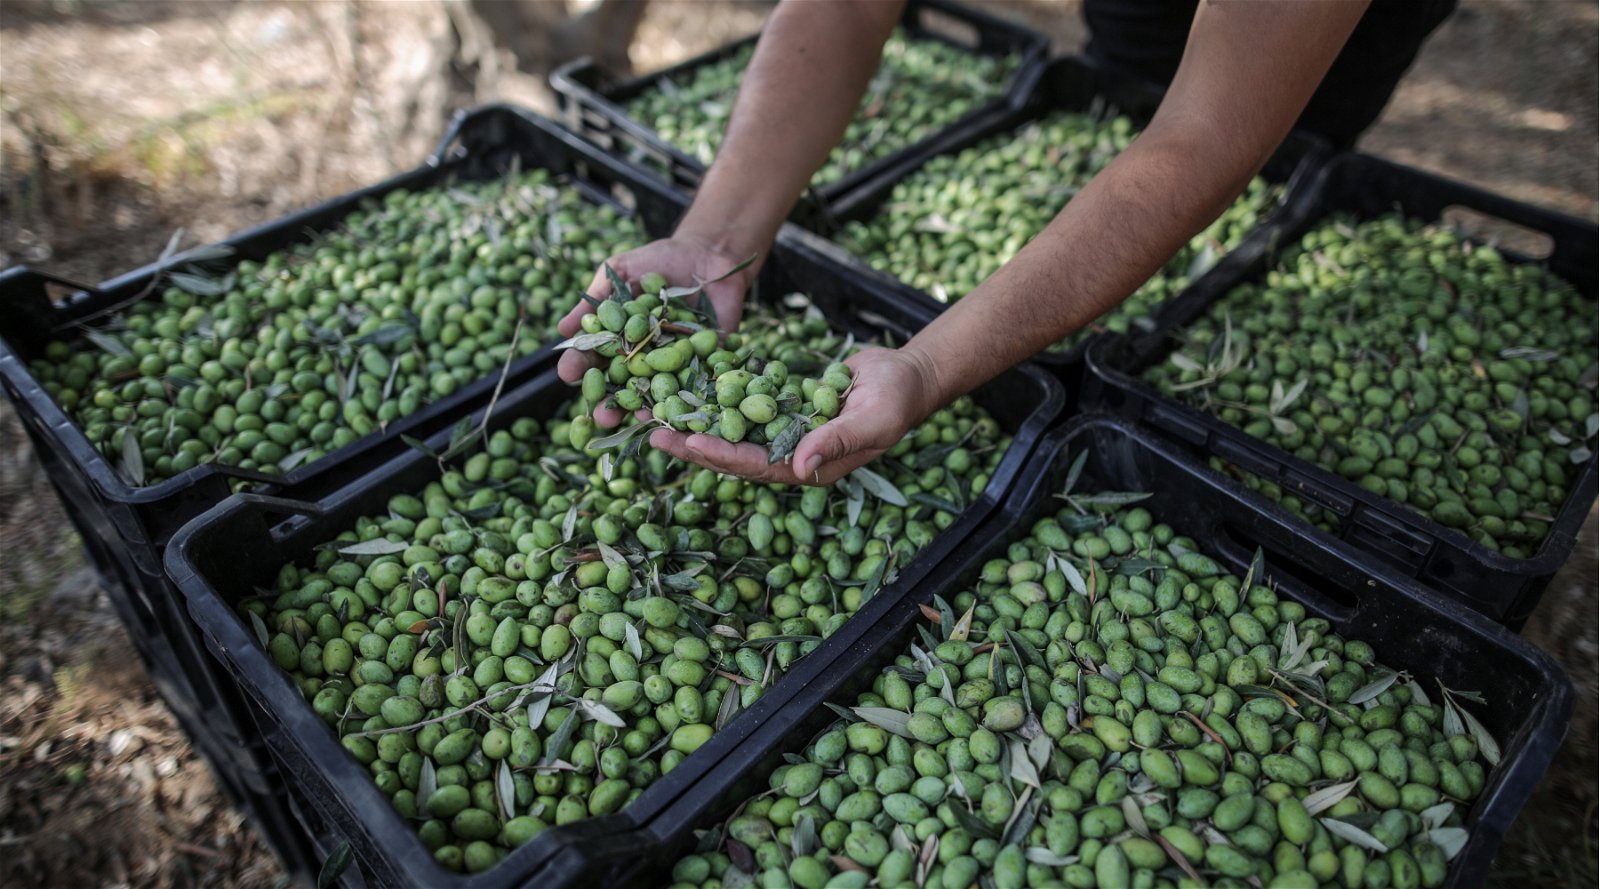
222,556
482,143
1071,84
125,528
1410,628
596,107
1504,588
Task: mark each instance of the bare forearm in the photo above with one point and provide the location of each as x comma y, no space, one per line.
809,72
1107,242
1225,113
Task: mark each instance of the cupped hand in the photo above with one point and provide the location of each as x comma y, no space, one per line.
890,393
682,260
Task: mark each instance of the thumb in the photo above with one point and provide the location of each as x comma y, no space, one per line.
834,440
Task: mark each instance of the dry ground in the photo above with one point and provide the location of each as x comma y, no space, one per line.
123,121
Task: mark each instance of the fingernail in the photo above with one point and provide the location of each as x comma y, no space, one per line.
813,464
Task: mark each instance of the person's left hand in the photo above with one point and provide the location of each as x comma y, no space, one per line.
890,393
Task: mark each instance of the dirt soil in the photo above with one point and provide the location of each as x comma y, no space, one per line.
123,121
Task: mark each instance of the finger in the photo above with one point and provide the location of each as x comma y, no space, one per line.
744,460
728,300
607,416
570,323
837,440
573,362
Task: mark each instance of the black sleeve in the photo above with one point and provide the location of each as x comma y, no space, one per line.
1145,39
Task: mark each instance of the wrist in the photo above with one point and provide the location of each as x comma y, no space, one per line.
725,236
929,392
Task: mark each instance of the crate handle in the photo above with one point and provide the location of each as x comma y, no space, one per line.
286,505
1286,572
468,120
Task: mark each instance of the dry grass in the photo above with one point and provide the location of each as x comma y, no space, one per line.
123,121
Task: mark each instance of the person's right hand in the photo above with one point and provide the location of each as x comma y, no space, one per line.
682,260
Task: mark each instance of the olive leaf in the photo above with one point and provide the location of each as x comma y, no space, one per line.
970,822
338,862
544,688
569,524
1418,696
427,780
803,836
1027,654
1021,820
765,641
384,335
1022,767
1073,472
886,718
293,460
1480,733
1074,579
505,792
132,457
938,503
1437,815
419,445
1132,567
1257,568
552,752
782,447
856,499
1529,353
1281,400
1040,749
609,555
1348,832
963,627
880,575
728,710
376,547
1289,642
616,438
630,637
947,617
929,457
1184,362
260,627
1112,498
1134,817
588,342
879,487
107,343
200,285
1322,800
1043,856
620,290
1450,840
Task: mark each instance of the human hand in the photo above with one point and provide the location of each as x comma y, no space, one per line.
892,391
681,259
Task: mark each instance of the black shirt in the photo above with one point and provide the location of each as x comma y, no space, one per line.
1145,39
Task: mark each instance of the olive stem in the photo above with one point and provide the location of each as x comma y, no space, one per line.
451,715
